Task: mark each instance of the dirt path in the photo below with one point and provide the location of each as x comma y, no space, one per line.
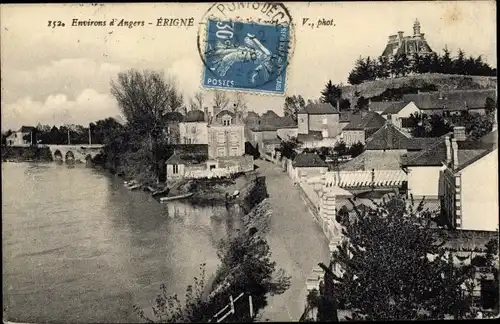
297,242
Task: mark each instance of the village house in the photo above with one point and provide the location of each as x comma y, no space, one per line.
307,165
451,102
385,148
318,125
361,127
226,135
193,129
24,136
400,112
172,129
185,158
380,106
470,185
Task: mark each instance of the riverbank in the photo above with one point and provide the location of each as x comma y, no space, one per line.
26,154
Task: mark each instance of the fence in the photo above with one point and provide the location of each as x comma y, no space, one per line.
231,309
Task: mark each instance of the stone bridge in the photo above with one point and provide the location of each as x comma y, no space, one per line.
77,152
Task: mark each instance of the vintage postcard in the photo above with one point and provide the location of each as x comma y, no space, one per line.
249,161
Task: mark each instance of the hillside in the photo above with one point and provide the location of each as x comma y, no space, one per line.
443,82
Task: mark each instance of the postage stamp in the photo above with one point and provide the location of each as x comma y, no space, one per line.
246,47
246,56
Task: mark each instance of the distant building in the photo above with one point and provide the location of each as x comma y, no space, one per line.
361,127
409,45
193,129
450,102
400,112
24,136
226,135
172,129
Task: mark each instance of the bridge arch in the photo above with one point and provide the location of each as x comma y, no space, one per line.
70,156
58,155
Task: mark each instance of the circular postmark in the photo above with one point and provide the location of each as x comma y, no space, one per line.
246,46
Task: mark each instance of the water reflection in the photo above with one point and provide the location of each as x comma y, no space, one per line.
79,247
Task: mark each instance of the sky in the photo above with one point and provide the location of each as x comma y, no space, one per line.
62,75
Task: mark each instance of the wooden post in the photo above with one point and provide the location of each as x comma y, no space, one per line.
251,306
90,136
69,140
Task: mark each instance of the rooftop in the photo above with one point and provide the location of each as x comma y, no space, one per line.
318,109
451,100
174,116
194,116
395,108
304,160
370,120
311,136
26,129
381,106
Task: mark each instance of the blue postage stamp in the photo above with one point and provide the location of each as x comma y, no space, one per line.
246,56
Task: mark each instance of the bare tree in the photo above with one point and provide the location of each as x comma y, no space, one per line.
144,97
197,101
221,100
240,105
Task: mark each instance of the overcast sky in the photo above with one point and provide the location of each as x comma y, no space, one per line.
62,75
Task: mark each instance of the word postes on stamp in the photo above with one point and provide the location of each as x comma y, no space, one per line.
244,55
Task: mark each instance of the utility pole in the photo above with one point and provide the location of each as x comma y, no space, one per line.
90,136
69,140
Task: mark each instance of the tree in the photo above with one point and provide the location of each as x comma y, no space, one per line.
382,70
331,94
239,105
356,149
362,104
221,100
144,97
293,105
196,103
5,135
445,62
459,63
245,267
288,148
394,267
490,105
340,148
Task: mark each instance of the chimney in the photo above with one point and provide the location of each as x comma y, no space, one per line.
459,133
454,148
400,37
448,149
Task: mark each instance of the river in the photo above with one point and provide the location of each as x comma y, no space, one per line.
79,247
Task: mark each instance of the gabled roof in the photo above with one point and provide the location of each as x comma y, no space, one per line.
435,155
174,116
225,112
305,160
395,107
451,100
187,153
380,106
194,116
251,114
271,122
311,136
26,129
318,109
369,121
467,157
416,44
389,137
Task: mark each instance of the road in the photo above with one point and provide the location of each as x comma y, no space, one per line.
296,241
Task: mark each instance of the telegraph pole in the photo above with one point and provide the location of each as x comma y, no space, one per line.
69,141
90,136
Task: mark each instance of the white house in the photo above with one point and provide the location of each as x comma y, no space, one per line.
400,112
24,136
470,185
194,128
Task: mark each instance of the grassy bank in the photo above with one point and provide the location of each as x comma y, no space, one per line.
443,82
24,154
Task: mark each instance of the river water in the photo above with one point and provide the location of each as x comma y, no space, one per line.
79,247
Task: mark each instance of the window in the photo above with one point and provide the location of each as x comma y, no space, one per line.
221,138
221,151
176,168
234,137
193,129
407,123
234,151
226,121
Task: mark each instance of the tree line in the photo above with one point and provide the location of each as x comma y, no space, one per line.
369,69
